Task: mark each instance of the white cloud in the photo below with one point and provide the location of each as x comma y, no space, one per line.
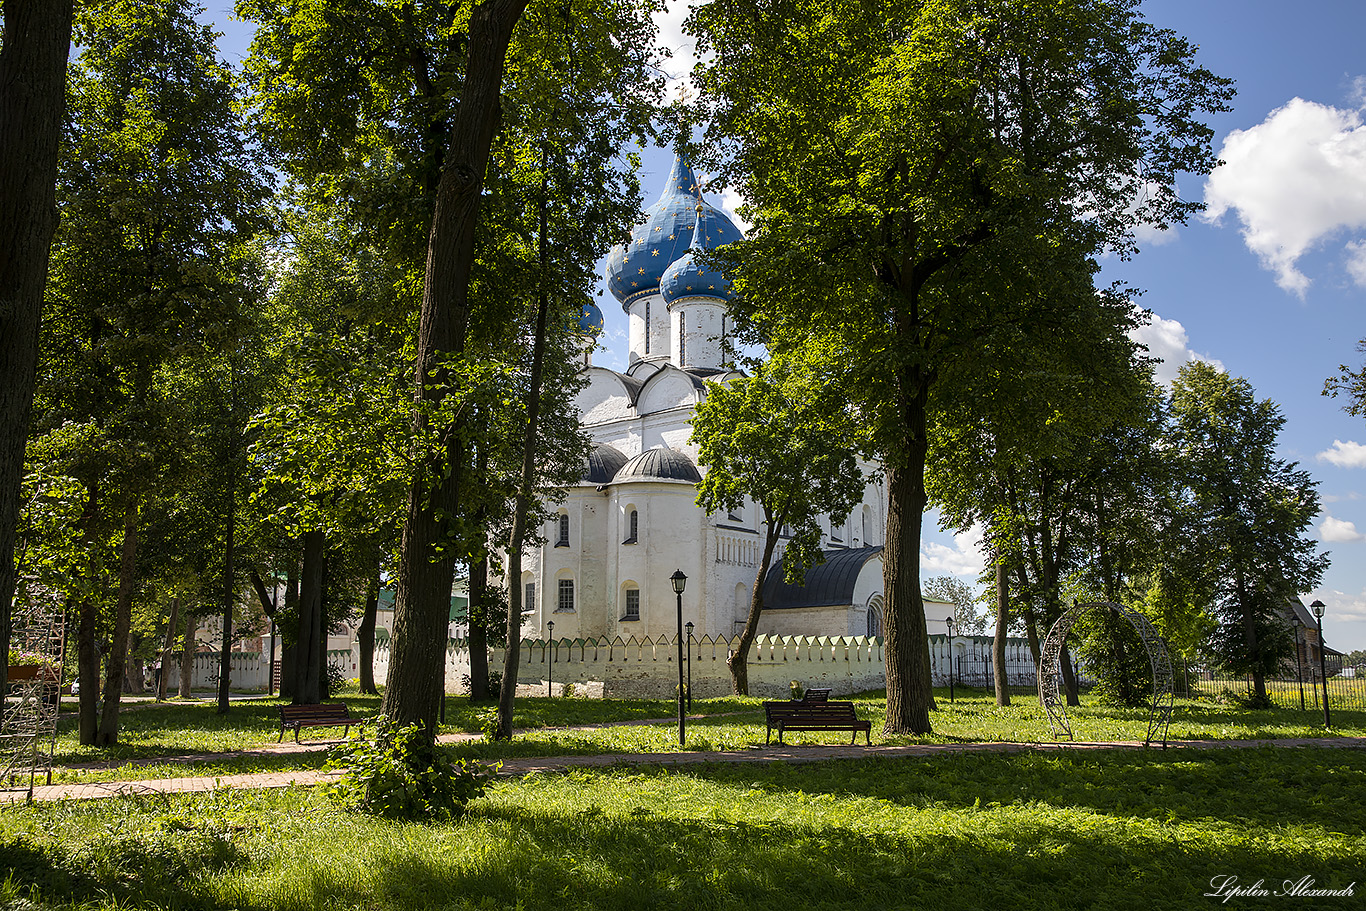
1341,607
966,558
1345,455
1167,339
1295,179
730,201
1356,262
1331,529
682,48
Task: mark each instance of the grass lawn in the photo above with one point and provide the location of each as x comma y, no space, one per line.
152,736
1109,829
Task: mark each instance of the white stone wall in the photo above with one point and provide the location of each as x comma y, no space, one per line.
644,668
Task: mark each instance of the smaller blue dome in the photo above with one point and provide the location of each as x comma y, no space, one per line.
589,324
687,278
634,269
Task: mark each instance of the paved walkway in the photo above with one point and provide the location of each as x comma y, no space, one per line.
518,767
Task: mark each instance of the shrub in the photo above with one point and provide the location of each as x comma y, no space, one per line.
401,775
335,678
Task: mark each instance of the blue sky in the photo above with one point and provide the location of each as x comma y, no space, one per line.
1271,289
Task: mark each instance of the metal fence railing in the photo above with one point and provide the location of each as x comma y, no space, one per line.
1292,688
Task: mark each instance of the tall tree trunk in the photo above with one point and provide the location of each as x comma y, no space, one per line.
365,636
306,645
525,489
909,693
87,655
1069,676
187,656
479,617
998,642
164,663
116,661
229,577
289,647
738,660
32,103
422,601
324,624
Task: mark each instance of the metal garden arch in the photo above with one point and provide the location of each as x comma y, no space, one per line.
1160,715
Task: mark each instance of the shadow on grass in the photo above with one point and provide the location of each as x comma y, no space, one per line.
1265,787
588,860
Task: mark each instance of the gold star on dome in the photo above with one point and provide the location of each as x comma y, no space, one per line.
671,237
642,271
654,252
658,228
690,287
635,284
711,287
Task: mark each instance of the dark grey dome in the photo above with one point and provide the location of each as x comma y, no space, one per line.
603,463
830,583
660,464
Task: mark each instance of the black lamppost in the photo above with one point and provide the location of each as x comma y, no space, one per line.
550,665
689,626
949,623
1296,623
1323,667
680,581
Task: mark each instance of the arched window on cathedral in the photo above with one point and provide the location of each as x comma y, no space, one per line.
874,627
630,603
563,539
632,527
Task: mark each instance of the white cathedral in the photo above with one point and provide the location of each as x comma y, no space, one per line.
632,520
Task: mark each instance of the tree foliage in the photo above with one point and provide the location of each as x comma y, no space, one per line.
929,178
1243,514
786,440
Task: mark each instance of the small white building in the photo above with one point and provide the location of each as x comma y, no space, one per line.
632,520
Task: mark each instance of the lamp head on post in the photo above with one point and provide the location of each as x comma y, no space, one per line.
679,580
688,626
1317,607
948,621
550,624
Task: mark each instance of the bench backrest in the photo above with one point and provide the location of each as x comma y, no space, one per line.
308,712
838,712
816,695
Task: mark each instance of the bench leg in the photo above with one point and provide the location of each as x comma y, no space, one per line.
296,733
282,733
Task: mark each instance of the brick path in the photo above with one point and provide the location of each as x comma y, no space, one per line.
516,767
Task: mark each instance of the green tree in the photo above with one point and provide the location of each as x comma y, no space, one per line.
159,195
422,86
921,189
34,46
1243,514
785,439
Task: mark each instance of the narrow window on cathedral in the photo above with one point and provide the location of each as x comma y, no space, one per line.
631,609
647,325
835,531
529,604
563,539
682,342
633,526
566,604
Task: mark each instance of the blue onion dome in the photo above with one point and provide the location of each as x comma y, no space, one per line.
687,277
589,323
660,464
635,268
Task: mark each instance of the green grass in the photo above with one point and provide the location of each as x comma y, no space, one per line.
153,736
1104,829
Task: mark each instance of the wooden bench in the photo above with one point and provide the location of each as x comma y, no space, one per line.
326,715
814,716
